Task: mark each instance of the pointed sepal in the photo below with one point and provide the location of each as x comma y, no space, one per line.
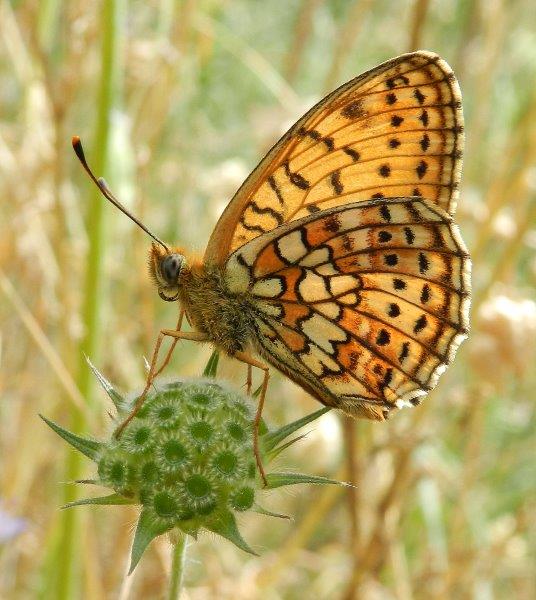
268,513
225,525
89,448
276,480
277,451
270,440
146,531
120,403
110,500
212,365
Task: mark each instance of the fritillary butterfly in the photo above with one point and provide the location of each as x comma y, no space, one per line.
338,261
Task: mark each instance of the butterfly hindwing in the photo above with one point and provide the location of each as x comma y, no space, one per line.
396,130
364,305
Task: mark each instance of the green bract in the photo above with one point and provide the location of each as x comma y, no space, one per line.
187,459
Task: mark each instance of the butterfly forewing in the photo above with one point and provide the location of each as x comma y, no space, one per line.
364,304
396,130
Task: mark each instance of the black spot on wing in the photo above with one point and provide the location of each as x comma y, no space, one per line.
394,310
421,169
438,241
420,324
354,110
266,211
383,338
425,142
384,170
385,213
414,213
336,183
347,243
295,178
420,97
404,353
353,154
384,236
424,263
423,118
425,293
391,260
353,360
392,82
329,143
409,235
387,378
272,183
332,223
256,228
317,136
312,133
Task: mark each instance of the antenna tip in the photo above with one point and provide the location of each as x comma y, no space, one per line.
77,147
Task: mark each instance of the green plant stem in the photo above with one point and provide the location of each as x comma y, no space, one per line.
68,580
47,24
177,566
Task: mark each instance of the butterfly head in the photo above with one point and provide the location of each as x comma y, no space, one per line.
166,267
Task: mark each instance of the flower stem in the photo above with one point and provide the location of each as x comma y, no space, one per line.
177,566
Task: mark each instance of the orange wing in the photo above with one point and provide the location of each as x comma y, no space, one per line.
396,130
362,305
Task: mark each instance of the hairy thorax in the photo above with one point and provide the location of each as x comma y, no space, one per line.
224,317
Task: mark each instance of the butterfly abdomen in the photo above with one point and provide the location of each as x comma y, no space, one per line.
224,317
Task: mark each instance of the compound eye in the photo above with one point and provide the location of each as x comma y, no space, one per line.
171,268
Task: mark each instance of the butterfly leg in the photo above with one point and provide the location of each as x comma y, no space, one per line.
166,360
252,362
195,336
248,381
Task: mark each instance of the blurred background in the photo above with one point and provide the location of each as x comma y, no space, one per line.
176,102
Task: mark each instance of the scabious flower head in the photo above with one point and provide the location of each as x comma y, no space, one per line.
187,459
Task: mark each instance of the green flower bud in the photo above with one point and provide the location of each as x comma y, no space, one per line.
116,472
243,498
236,431
139,438
172,453
165,412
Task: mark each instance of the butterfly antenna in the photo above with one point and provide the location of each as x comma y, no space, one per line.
107,193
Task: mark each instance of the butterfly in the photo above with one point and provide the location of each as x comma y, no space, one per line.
338,261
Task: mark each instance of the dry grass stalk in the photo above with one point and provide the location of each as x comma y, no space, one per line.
302,32
418,22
